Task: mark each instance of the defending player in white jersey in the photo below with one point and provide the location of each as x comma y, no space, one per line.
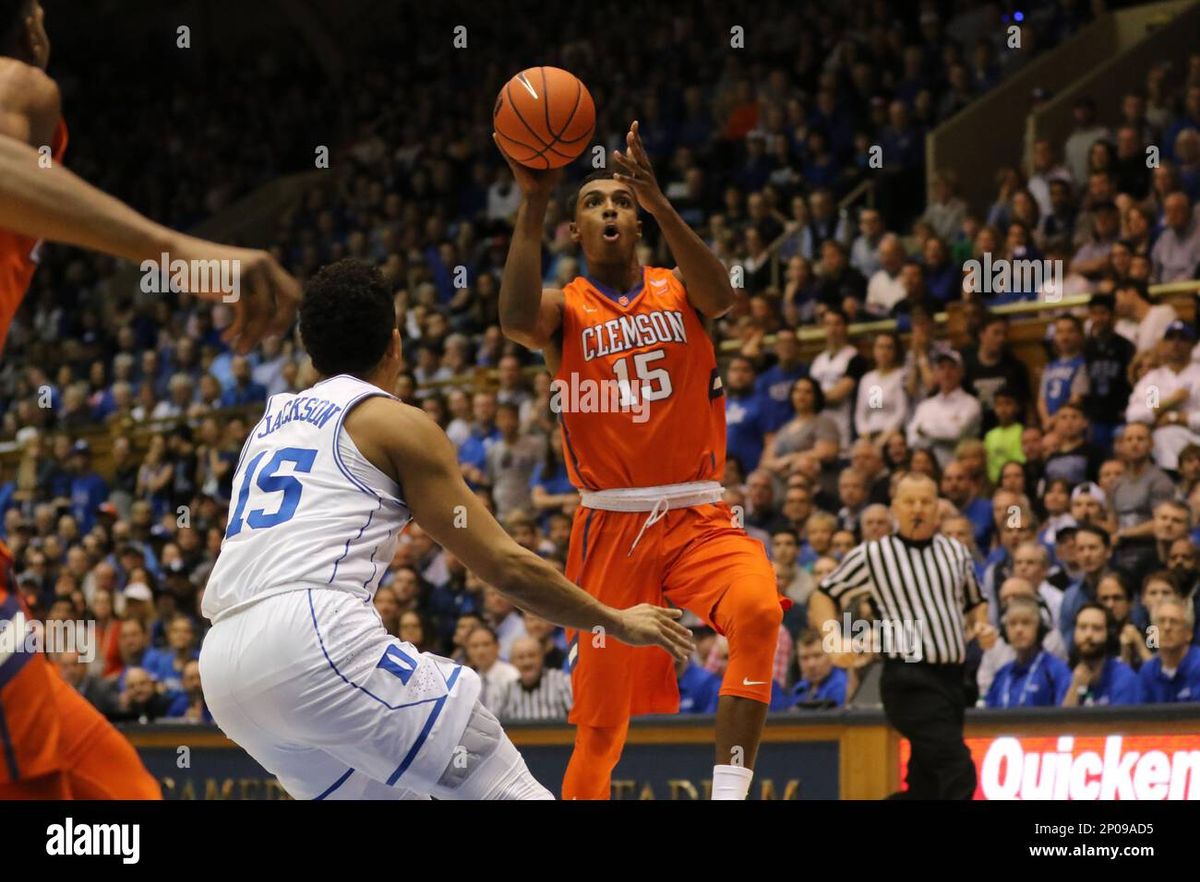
298,668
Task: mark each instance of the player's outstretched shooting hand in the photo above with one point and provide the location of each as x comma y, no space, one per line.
532,182
266,298
635,169
649,625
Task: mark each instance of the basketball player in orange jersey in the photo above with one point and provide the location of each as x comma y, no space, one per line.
651,524
40,203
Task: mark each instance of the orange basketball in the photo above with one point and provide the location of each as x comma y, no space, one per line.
544,117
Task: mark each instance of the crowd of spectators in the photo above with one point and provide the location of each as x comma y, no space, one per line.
1075,488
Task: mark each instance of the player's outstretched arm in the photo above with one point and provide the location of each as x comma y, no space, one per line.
701,271
529,315
58,206
422,460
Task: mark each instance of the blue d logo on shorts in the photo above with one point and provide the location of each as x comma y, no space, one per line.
396,661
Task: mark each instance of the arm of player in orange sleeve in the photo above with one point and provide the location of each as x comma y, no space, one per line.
699,269
529,314
51,203
422,460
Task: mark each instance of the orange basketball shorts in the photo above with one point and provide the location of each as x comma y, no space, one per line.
694,558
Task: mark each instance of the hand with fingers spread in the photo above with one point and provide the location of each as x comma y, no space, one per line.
533,183
634,168
267,296
649,625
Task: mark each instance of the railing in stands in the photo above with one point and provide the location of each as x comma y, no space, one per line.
864,192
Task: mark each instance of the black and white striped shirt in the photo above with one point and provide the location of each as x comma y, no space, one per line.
550,699
921,590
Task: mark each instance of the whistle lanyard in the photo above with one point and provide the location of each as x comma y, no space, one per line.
1033,668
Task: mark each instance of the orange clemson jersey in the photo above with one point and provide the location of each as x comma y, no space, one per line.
18,254
637,390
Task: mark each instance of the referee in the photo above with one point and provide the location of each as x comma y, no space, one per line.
924,590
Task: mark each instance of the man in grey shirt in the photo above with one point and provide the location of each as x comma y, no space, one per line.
1134,496
511,461
1177,251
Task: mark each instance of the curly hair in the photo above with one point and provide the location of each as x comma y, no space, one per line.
346,318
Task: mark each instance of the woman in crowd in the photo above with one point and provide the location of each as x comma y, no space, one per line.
810,433
882,406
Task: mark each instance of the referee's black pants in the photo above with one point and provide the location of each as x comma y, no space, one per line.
926,704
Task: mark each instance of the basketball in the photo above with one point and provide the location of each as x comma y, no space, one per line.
544,117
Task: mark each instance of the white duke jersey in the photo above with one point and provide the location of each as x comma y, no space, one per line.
308,509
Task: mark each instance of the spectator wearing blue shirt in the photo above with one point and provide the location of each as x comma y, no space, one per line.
550,486
187,704
781,700
943,278
774,385
1098,676
1093,551
1065,378
1188,119
960,488
1035,678
244,390
745,416
698,688
1174,672
472,453
819,680
167,665
88,489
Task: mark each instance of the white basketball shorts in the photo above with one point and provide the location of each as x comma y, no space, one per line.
312,686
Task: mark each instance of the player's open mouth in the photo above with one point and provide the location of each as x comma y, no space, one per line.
611,233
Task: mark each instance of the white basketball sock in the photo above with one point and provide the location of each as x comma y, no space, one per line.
731,782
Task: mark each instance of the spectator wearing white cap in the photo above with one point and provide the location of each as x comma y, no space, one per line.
1089,505
944,419
138,602
1168,397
